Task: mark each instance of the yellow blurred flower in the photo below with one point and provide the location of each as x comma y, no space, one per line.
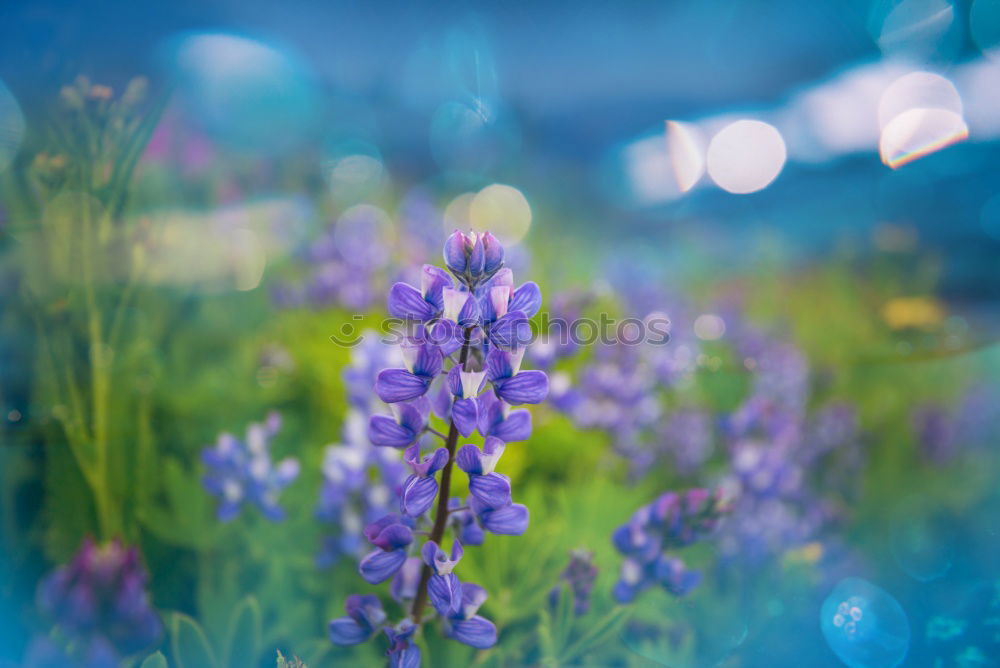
905,312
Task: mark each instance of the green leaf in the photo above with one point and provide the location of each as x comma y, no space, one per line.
243,634
189,644
598,634
154,660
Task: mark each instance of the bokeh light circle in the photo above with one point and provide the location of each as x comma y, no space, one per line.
918,90
246,93
746,156
502,210
709,327
864,625
354,171
917,29
687,153
916,133
471,138
457,214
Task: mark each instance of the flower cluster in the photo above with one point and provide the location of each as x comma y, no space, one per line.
618,390
672,521
616,393
99,608
943,432
360,483
242,471
347,263
579,575
462,362
786,467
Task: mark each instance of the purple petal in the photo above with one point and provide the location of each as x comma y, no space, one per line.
477,632
393,537
346,631
424,358
624,592
447,335
454,380
366,610
436,558
430,464
379,566
454,252
492,490
527,387
517,427
470,315
413,415
493,448
500,365
404,585
384,431
511,331
446,594
469,459
527,299
394,385
418,495
465,415
441,401
473,597
406,302
511,520
494,253
408,657
477,258
375,528
433,280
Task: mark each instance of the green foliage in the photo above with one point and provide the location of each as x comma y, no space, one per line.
189,644
154,660
240,645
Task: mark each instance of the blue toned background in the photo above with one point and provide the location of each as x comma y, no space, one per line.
198,198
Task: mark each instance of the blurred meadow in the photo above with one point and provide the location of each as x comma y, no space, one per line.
204,207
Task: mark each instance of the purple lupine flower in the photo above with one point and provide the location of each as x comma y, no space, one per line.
360,483
672,521
346,264
100,605
242,471
391,535
580,575
783,461
556,341
420,488
402,652
616,393
688,437
942,431
462,365
364,617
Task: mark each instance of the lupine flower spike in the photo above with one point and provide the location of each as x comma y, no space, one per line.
99,604
242,471
462,361
673,521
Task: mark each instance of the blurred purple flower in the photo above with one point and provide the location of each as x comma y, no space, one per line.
99,603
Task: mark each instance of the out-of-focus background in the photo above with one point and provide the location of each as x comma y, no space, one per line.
195,197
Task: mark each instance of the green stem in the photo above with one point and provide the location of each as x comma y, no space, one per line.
107,513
